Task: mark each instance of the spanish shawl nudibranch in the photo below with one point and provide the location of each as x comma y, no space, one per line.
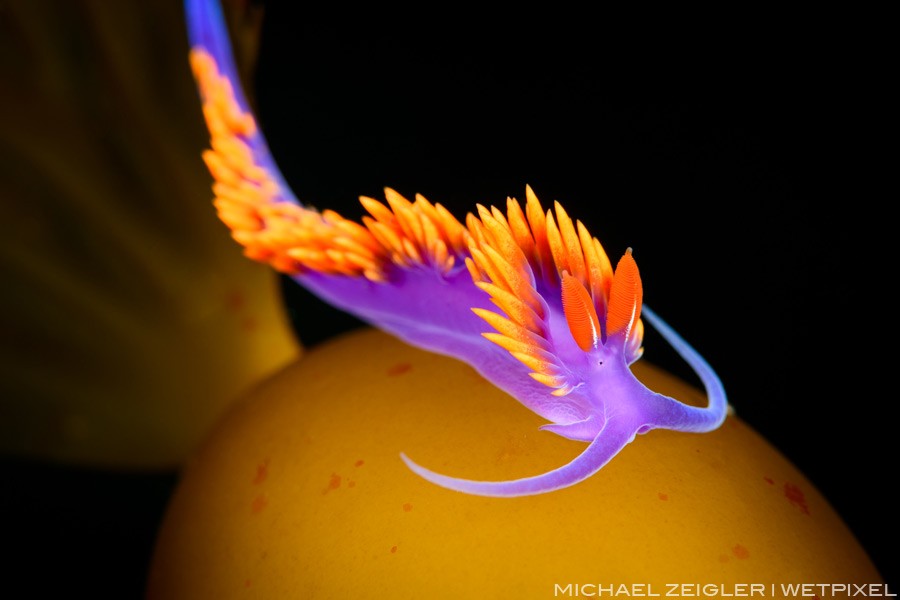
568,325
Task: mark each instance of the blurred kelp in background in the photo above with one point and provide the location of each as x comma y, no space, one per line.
129,320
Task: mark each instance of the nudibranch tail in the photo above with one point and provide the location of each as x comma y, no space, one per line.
528,297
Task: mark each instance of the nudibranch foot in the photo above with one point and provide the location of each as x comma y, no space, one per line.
526,295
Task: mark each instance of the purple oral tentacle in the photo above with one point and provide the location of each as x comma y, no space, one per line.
677,415
614,436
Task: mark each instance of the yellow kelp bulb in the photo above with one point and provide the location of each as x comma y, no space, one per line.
300,493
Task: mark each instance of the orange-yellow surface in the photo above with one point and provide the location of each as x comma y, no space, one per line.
300,493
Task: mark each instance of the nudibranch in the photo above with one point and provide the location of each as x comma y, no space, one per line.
527,296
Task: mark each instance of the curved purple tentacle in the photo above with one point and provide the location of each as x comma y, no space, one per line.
678,415
614,436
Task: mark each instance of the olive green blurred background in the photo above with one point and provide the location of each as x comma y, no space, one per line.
129,320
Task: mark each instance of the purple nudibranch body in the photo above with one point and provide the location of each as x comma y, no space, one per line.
525,296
